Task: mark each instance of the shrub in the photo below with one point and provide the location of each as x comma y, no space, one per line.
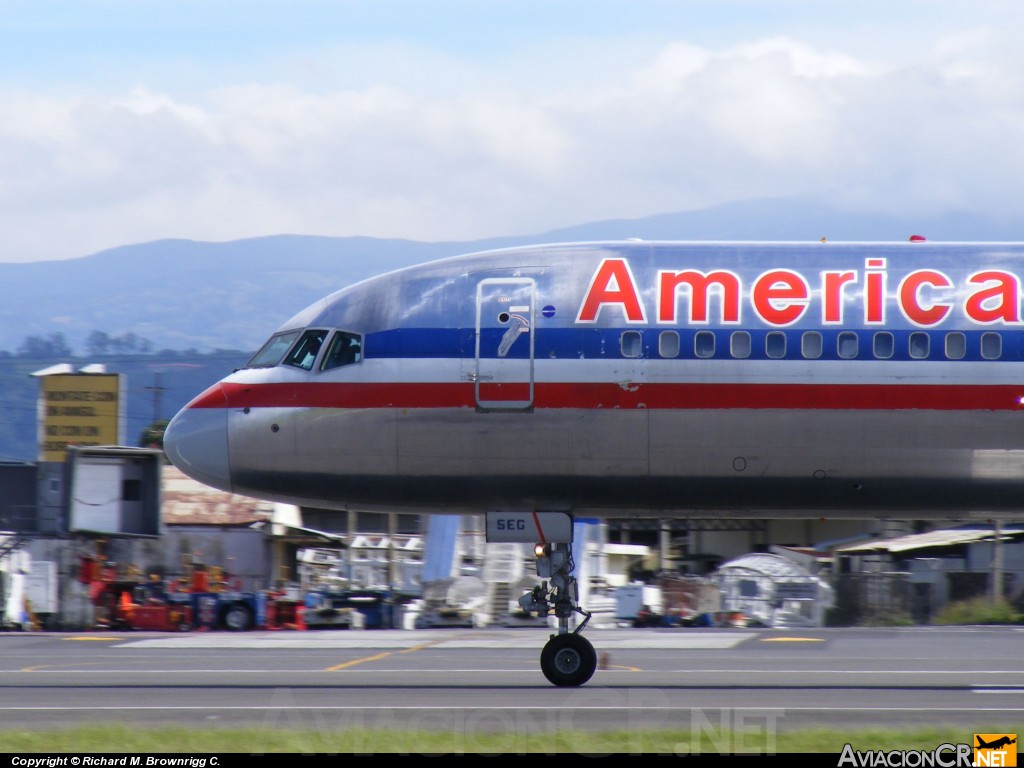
978,610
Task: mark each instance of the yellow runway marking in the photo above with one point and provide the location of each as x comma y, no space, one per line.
354,662
792,640
38,667
379,656
604,661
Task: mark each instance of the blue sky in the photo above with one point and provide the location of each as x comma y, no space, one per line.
128,121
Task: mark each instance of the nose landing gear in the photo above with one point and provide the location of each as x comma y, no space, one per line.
568,659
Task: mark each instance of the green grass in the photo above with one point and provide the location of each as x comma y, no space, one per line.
214,740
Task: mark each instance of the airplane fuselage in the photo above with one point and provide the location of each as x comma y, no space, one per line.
641,379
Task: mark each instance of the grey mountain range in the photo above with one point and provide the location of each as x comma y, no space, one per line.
183,294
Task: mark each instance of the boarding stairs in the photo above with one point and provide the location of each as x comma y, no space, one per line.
504,567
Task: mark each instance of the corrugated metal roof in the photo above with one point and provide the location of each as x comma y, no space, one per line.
942,538
774,566
300,534
188,502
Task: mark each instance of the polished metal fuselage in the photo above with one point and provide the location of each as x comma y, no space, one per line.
538,378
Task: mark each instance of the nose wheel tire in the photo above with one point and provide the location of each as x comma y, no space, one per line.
568,660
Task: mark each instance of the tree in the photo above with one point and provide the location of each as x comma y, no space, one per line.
153,435
53,345
98,343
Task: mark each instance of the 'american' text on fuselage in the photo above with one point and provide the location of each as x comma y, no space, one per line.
781,297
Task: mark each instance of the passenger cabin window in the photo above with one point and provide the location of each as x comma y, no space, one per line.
919,345
668,344
304,353
345,349
956,345
811,345
847,345
270,354
991,346
739,345
631,343
775,344
704,344
884,345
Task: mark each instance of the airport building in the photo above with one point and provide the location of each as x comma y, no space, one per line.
91,506
127,510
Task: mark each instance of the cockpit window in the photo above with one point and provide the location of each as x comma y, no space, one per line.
346,348
270,354
304,353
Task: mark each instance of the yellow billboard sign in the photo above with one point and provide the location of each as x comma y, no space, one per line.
79,409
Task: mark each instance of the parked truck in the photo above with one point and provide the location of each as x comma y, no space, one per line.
125,601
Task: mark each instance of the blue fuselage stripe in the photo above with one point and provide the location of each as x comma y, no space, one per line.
1001,345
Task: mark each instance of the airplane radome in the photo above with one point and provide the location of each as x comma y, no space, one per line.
637,379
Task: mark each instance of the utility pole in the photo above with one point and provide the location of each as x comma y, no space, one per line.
392,565
996,590
349,539
156,389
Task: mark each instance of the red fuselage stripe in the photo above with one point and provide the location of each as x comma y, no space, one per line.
540,530
689,396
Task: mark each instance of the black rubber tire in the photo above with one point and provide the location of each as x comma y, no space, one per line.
568,660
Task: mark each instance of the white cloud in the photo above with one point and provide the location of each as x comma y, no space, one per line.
675,127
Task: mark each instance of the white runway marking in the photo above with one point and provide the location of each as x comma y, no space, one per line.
498,708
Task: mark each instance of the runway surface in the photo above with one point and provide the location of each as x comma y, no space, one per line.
470,680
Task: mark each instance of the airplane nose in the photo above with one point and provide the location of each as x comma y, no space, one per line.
196,440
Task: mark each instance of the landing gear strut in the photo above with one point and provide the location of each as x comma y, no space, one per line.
568,658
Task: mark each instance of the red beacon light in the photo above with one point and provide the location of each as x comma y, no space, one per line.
918,239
